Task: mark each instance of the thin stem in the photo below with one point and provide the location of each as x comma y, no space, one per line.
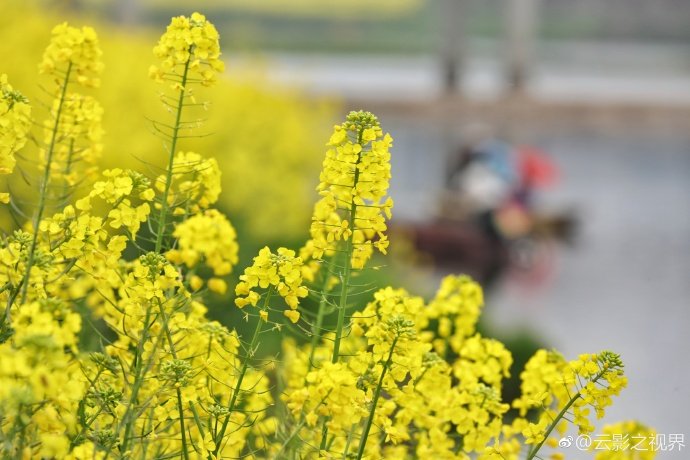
377,394
345,281
182,429
171,157
243,371
533,452
68,168
180,408
43,191
350,434
138,379
316,328
347,265
324,436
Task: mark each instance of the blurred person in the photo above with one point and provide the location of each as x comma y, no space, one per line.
494,184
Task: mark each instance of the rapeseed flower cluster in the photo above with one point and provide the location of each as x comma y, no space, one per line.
557,387
428,411
190,43
627,440
279,272
207,237
194,184
397,377
122,191
247,124
78,133
354,186
15,123
74,52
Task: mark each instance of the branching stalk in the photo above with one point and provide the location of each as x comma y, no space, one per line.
243,371
345,281
43,189
347,271
180,407
533,452
171,157
377,394
138,380
316,328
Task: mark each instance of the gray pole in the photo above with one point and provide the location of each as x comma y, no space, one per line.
127,11
522,24
452,43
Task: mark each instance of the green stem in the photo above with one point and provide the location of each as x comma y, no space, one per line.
86,426
43,190
350,434
22,435
68,169
243,371
316,328
347,265
171,157
377,394
180,408
138,379
345,281
324,435
533,452
182,429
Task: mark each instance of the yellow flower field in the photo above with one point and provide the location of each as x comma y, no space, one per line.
140,247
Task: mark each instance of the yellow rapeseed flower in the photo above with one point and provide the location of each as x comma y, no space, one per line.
74,49
15,123
189,41
195,183
354,185
281,272
207,238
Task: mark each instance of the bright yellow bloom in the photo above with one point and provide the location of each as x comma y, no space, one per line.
354,186
78,135
76,50
456,308
15,123
121,189
189,41
207,238
217,285
195,183
281,272
628,440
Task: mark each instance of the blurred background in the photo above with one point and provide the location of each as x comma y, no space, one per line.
542,146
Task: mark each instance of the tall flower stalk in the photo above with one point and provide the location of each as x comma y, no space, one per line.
189,51
279,273
73,56
15,120
350,218
400,329
593,378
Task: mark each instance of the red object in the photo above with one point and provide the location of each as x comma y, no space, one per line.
536,168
